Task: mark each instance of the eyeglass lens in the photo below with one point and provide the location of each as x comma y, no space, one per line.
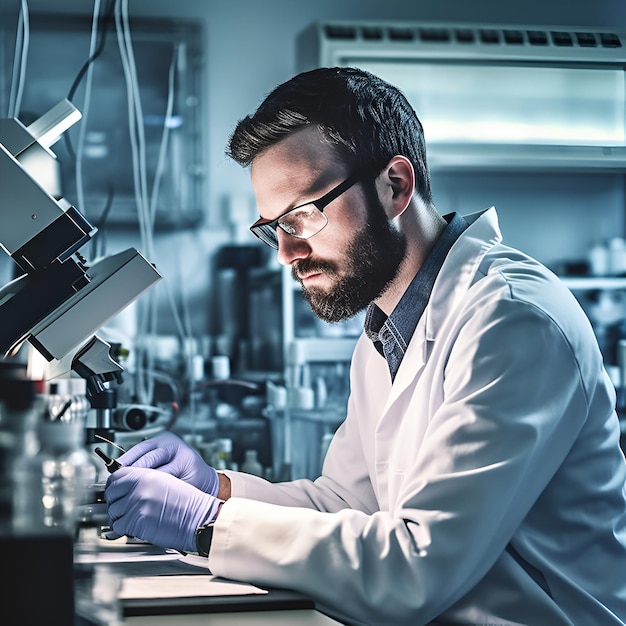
303,222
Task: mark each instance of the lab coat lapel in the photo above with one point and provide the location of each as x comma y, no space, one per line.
412,364
410,370
394,413
454,279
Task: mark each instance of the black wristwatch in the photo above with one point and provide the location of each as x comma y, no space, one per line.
204,534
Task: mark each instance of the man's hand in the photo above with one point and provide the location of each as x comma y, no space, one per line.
157,507
168,453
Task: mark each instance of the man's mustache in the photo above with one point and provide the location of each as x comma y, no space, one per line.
311,266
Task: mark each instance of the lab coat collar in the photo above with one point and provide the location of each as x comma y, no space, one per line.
460,267
454,279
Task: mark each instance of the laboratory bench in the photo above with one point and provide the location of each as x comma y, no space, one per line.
144,584
299,617
278,607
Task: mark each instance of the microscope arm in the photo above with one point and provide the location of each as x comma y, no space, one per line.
59,301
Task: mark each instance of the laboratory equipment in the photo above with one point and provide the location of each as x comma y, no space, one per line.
58,300
251,463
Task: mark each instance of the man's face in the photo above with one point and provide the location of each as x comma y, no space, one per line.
371,262
355,257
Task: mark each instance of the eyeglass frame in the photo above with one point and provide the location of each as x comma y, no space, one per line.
320,204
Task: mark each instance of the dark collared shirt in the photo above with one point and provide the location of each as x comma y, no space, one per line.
391,335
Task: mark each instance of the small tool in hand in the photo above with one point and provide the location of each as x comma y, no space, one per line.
111,464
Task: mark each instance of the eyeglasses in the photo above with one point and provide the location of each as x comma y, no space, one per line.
302,221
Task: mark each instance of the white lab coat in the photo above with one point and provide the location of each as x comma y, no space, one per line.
485,486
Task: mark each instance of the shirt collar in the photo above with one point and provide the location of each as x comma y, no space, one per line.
391,335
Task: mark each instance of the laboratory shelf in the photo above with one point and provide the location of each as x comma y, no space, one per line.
590,283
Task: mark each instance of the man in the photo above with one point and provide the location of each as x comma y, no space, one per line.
477,478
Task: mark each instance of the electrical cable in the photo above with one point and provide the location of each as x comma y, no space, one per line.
147,312
99,30
20,60
146,210
100,250
184,329
169,108
99,47
160,169
102,32
135,114
17,55
135,125
80,196
146,203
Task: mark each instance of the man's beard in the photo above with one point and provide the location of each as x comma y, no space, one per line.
373,260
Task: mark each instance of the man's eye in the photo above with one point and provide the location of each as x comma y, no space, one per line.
288,228
296,219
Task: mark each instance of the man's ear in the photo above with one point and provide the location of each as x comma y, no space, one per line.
396,184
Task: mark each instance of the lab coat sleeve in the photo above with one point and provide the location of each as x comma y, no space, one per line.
344,483
506,403
321,494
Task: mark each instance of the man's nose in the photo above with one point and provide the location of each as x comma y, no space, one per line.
290,248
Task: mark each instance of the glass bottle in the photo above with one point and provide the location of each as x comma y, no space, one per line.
21,457
251,464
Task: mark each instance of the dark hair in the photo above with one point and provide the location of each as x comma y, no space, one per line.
366,119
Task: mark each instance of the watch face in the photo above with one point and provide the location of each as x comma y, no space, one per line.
204,534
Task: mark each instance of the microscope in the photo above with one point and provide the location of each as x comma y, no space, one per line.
59,300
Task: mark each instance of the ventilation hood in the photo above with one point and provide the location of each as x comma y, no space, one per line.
494,96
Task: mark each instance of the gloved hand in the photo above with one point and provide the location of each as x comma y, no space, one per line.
168,453
157,507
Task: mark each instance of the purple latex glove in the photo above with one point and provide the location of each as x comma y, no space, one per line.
157,507
168,453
